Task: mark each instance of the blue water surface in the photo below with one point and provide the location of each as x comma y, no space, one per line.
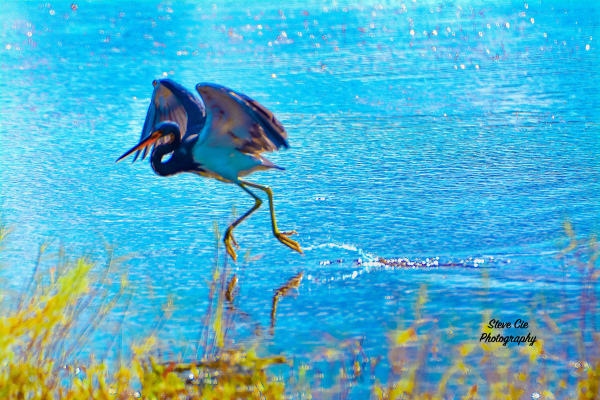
462,131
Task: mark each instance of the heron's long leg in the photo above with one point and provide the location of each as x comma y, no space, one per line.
281,236
229,232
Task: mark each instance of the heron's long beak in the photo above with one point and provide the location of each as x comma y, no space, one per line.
143,144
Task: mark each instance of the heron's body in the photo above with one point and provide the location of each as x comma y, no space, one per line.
238,164
221,137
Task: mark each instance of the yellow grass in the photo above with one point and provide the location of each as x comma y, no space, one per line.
48,324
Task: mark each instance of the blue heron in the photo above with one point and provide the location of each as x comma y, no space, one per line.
220,137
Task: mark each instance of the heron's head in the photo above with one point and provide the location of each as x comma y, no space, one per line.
164,134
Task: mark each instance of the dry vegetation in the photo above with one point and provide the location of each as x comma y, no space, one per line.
43,327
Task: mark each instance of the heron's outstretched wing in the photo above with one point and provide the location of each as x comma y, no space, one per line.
235,120
172,102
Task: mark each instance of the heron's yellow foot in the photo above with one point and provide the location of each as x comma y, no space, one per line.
292,244
229,243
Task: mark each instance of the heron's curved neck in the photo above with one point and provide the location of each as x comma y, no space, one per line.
169,167
181,160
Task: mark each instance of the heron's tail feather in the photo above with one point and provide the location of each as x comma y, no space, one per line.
268,164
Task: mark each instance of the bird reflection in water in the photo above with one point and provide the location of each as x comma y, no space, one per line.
286,290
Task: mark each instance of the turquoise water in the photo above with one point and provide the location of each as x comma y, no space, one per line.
417,130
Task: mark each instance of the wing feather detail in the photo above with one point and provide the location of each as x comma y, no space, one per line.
235,120
172,102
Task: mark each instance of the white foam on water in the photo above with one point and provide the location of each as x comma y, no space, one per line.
344,246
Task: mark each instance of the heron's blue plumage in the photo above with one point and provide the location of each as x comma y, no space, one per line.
220,137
